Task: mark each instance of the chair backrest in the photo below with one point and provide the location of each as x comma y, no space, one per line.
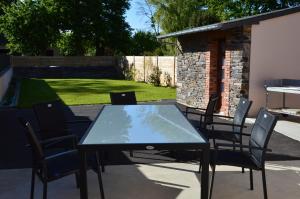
51,119
260,135
241,114
123,98
211,106
37,150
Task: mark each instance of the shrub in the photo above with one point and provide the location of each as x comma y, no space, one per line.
154,78
129,72
167,79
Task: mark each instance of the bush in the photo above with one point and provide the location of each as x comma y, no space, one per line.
129,72
168,79
154,78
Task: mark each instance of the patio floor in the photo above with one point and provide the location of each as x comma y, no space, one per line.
163,178
161,181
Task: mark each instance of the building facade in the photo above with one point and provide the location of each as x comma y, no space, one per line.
218,59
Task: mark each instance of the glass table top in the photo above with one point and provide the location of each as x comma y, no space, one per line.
140,124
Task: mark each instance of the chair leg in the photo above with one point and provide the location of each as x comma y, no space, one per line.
131,153
99,178
264,183
77,180
102,156
200,164
45,190
212,181
251,179
32,183
200,167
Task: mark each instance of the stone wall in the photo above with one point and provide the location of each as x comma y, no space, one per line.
191,76
239,46
197,67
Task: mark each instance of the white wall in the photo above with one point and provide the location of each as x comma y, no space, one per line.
4,81
275,54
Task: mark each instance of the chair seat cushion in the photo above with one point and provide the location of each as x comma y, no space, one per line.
232,158
63,164
195,123
222,135
68,162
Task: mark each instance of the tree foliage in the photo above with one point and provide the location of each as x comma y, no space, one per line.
231,9
144,43
174,15
77,27
29,26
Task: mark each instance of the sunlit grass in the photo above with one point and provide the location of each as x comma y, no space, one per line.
87,91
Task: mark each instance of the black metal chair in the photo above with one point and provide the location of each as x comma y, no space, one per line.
237,125
53,124
55,166
207,117
123,98
254,158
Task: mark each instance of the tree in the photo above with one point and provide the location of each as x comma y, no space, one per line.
99,24
175,15
29,26
231,9
76,27
144,43
148,10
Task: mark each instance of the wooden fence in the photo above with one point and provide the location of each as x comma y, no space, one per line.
144,65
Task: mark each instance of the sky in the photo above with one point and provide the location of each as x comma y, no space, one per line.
136,20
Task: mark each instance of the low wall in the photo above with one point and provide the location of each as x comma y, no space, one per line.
65,67
5,78
77,61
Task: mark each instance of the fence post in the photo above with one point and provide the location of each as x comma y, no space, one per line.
144,69
174,70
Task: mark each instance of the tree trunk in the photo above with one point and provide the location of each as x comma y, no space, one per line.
99,49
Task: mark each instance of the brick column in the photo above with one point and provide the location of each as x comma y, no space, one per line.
211,78
225,98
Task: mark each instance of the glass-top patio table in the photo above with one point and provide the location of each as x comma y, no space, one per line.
142,127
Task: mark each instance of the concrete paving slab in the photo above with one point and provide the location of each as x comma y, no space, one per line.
162,181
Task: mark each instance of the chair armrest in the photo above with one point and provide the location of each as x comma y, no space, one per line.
195,113
53,141
60,155
229,124
232,132
243,146
223,116
195,108
78,121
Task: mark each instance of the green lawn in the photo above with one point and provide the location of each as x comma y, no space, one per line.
86,91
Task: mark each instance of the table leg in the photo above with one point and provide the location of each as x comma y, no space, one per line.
83,178
205,174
